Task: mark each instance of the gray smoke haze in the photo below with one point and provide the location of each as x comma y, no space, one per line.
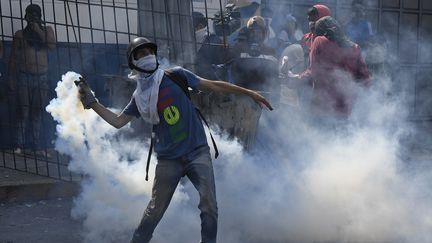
308,184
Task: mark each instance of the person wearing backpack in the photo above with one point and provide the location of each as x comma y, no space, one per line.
161,98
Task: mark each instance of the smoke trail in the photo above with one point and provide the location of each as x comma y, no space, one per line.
114,173
312,185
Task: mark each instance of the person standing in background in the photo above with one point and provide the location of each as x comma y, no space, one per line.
28,79
336,65
210,50
314,14
287,33
359,29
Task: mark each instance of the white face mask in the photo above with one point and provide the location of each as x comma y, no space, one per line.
147,63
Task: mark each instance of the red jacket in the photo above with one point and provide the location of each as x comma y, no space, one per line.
333,72
306,41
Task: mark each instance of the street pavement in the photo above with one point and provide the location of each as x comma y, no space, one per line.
41,221
36,209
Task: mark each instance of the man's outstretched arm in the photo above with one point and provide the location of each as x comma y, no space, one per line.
115,120
222,86
89,101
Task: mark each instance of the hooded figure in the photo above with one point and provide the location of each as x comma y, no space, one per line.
331,29
314,14
336,65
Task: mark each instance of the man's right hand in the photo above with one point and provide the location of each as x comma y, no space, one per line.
86,95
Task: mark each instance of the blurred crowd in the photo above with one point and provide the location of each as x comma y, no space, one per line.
246,44
317,70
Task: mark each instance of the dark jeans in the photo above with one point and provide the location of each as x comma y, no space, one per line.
168,174
32,93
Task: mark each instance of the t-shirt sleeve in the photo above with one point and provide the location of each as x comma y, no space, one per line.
131,109
192,79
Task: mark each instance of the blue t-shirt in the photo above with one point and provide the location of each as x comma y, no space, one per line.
180,131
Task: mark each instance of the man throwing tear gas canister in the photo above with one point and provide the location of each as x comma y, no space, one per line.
161,99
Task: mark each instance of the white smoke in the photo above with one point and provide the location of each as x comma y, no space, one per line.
308,184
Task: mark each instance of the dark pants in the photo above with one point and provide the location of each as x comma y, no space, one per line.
32,99
168,174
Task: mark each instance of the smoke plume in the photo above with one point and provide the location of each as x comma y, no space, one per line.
348,182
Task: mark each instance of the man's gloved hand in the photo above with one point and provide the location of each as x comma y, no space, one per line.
85,93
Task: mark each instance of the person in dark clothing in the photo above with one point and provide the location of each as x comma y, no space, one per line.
254,66
251,53
210,55
336,65
178,134
210,50
251,39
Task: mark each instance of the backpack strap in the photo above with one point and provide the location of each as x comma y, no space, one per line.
149,155
211,136
182,82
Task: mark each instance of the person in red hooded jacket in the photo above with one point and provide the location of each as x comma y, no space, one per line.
336,65
314,14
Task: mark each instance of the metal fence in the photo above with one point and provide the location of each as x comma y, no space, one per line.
92,37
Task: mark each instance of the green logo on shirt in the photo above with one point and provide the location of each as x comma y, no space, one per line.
171,115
